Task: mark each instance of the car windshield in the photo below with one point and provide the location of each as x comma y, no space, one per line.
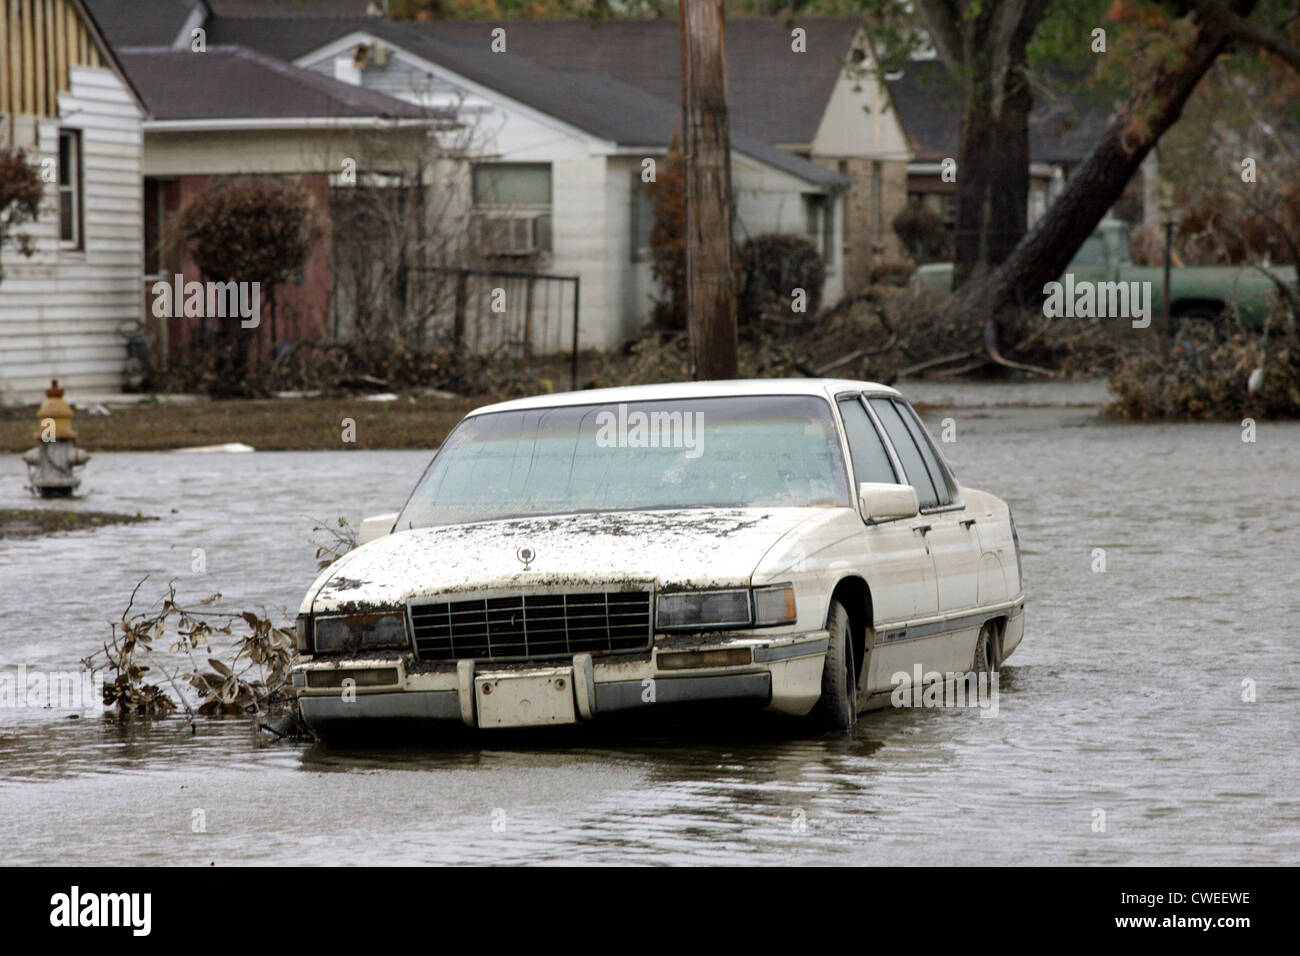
748,451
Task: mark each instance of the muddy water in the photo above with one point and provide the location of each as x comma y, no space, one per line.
1126,696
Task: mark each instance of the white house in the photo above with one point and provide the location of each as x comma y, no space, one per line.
566,118
566,150
67,310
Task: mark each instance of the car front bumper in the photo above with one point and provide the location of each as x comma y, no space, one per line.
780,673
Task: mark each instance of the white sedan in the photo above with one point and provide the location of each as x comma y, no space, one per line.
791,545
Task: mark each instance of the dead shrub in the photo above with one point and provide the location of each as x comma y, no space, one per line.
1202,377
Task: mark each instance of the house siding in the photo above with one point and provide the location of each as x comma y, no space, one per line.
63,312
768,200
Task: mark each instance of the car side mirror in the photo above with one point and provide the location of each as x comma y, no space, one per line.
376,526
880,501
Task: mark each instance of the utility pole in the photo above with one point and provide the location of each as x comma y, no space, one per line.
710,276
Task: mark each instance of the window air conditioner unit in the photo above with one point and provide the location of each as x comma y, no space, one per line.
510,234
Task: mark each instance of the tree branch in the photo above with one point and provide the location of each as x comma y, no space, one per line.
1250,31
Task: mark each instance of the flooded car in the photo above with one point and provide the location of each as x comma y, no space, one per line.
787,545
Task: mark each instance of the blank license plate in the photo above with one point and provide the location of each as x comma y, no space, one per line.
525,699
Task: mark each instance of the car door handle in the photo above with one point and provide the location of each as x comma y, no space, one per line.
923,528
966,522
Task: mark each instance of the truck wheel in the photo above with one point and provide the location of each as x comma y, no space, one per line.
838,707
1199,323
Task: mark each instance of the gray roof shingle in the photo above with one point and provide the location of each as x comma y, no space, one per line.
229,82
602,105
773,93
928,101
132,23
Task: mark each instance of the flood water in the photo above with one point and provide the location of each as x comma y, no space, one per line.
1125,697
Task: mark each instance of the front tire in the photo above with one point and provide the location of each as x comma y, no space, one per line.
838,707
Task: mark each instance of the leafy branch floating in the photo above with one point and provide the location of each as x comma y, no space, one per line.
253,679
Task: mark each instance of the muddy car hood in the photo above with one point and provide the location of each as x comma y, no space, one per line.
673,548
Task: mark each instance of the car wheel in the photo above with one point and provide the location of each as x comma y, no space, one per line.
838,707
986,652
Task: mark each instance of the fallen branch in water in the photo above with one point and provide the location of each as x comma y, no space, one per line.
253,679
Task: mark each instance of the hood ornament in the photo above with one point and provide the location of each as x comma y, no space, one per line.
526,555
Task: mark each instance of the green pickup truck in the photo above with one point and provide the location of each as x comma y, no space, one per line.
1196,292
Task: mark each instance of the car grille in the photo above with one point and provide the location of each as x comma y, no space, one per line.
529,626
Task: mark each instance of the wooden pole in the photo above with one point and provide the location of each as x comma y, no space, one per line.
710,278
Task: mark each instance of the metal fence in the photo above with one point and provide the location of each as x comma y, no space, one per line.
519,314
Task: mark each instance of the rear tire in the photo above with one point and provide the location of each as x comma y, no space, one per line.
986,652
838,707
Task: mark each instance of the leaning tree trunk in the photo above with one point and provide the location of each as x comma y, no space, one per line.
710,278
992,173
1043,254
983,48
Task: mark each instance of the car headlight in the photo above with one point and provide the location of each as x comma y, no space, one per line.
725,608
774,605
302,634
358,632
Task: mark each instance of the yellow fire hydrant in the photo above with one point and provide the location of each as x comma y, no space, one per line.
50,464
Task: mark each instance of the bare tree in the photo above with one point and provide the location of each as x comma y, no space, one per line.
401,208
983,46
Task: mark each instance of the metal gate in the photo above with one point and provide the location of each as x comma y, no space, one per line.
518,314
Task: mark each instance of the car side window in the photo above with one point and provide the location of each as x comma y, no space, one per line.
938,473
918,476
870,460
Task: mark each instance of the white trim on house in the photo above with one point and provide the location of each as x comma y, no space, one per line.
1046,170
273,122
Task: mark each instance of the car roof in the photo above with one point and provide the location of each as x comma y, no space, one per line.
821,387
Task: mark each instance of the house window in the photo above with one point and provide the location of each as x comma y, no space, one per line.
70,189
512,184
819,224
512,205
